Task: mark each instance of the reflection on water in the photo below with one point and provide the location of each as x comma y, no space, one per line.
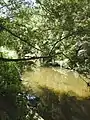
55,78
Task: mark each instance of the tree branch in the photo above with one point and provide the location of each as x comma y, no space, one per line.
69,35
23,59
23,40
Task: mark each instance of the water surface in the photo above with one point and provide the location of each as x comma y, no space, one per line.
57,79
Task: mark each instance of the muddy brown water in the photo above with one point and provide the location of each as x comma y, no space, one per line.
57,79
53,84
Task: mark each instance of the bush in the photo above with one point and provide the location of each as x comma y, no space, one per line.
13,101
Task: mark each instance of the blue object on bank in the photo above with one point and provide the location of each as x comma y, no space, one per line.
33,100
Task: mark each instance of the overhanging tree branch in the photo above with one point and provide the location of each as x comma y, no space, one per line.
23,59
69,35
23,40
30,58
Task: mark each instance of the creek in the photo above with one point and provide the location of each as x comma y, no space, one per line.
56,79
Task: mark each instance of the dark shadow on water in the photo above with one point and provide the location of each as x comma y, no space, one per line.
65,106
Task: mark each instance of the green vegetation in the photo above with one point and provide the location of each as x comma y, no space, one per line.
41,33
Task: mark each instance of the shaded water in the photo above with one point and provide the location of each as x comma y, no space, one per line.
54,86
56,79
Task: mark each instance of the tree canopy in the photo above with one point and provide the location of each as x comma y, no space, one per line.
46,28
